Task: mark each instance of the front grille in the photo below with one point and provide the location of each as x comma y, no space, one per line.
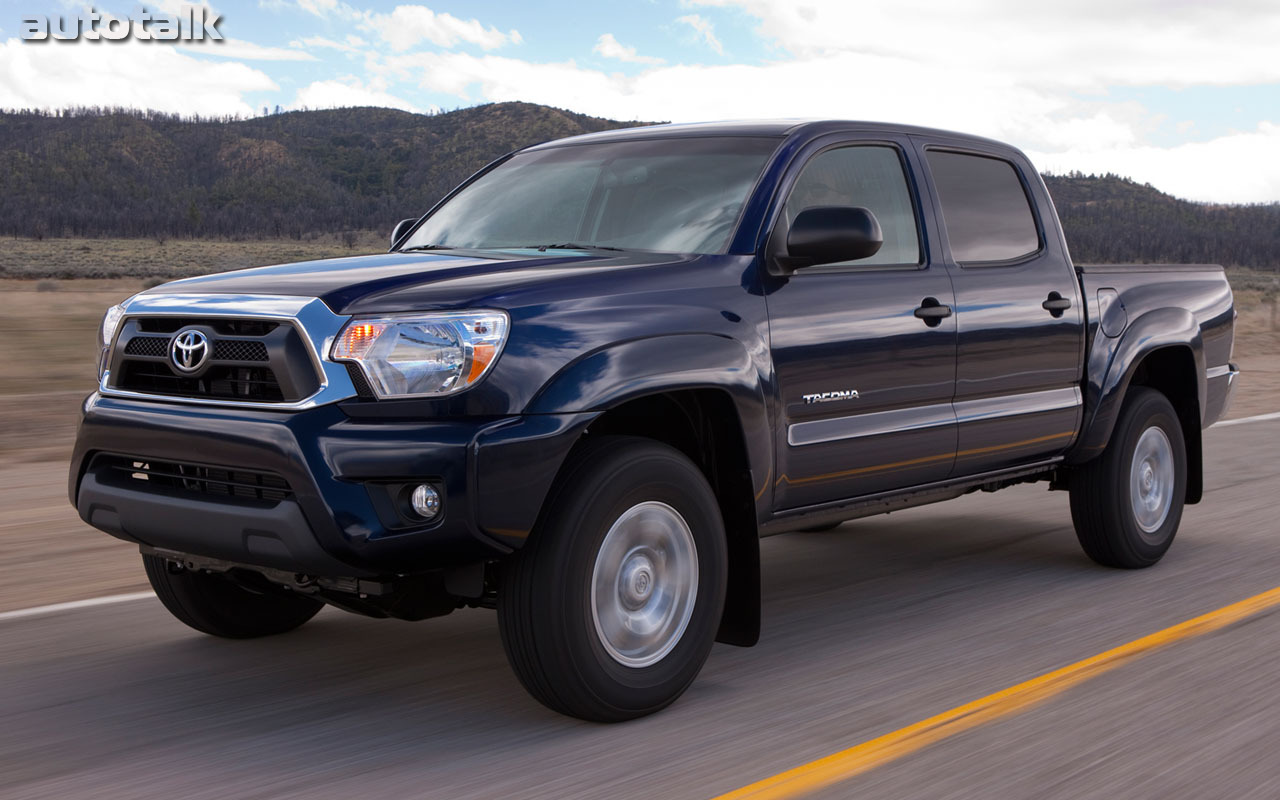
223,349
239,350
149,346
256,384
251,360
172,476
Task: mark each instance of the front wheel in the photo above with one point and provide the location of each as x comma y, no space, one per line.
610,610
1127,503
218,606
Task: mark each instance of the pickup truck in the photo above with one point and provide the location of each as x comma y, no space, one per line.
583,385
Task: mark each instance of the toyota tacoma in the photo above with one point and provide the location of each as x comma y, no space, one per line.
582,386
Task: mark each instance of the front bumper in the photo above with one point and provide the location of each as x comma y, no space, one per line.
494,475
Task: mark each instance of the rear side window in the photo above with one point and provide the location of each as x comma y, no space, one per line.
869,176
984,207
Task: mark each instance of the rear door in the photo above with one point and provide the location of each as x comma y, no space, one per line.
1018,311
865,383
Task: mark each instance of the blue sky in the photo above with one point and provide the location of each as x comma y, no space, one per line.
1184,95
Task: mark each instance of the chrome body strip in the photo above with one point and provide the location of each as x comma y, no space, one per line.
1013,405
859,426
318,325
873,424
1220,371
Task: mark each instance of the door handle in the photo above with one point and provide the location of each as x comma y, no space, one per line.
1056,304
932,312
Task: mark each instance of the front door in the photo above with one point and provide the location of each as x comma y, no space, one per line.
866,381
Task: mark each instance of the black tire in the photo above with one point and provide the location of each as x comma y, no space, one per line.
215,605
550,630
1107,520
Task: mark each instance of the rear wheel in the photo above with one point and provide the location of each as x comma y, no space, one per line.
1127,503
610,611
218,606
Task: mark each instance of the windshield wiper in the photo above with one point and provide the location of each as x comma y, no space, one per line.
427,247
542,248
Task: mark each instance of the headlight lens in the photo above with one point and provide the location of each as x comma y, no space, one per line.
110,321
423,354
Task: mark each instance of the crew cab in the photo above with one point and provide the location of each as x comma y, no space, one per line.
581,387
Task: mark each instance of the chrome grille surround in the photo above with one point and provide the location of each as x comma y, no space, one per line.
317,323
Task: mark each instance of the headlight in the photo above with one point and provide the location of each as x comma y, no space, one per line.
423,354
110,321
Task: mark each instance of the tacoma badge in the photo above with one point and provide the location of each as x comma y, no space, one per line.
828,397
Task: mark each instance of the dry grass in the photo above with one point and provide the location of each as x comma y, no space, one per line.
175,258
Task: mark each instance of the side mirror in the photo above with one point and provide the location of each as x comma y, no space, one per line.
401,226
829,234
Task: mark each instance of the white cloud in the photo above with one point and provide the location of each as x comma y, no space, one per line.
321,8
704,30
349,93
352,44
1238,168
61,75
1060,131
235,48
1087,44
610,47
408,26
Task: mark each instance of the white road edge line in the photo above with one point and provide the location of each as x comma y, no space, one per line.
38,611
1243,420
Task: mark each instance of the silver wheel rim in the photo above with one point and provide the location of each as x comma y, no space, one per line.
644,584
1151,481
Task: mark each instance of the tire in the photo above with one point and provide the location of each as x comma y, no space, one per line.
217,606
624,507
1127,503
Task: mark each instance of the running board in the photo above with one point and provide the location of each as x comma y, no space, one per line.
793,519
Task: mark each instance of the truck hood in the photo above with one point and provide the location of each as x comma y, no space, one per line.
425,280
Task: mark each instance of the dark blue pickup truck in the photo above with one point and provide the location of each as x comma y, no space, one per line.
582,386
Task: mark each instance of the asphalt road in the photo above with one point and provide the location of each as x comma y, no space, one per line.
868,628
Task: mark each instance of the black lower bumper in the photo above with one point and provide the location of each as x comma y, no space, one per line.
337,513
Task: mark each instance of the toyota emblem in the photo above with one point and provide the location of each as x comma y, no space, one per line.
189,350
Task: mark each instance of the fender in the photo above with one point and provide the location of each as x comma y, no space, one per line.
636,368
1113,362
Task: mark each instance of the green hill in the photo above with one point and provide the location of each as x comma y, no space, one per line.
91,173
1109,219
129,174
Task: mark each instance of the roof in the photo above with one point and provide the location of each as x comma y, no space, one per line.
774,127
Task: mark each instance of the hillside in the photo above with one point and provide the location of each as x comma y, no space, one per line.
123,174
1109,219
129,174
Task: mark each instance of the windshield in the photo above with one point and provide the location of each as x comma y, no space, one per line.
669,195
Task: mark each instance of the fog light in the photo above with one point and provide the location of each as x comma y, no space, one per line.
425,501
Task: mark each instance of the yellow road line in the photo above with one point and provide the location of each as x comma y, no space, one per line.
870,754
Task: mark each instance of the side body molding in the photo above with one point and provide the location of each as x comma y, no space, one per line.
1113,362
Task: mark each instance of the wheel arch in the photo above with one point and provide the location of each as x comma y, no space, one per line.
1162,350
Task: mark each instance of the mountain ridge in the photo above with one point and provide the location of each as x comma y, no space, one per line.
92,172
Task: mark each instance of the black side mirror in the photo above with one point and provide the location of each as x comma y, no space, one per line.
829,234
401,226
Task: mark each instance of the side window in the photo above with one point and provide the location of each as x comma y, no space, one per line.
870,176
984,207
